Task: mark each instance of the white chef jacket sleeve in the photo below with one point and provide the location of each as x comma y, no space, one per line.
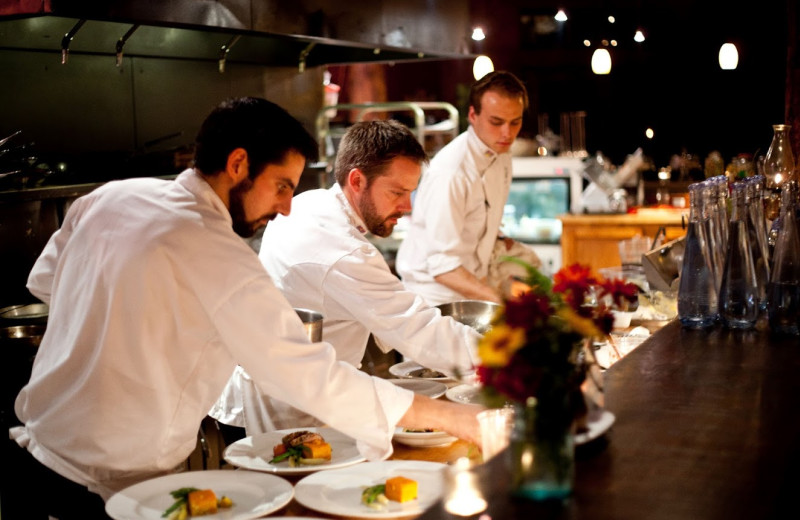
40,279
443,202
362,284
267,338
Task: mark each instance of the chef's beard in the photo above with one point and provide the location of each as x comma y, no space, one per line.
243,227
376,224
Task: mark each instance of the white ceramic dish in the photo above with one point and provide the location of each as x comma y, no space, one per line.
255,452
432,389
338,492
600,421
254,494
468,394
423,439
406,369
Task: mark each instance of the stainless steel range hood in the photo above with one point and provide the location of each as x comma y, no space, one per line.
276,33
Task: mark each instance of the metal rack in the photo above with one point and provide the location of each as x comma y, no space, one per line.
328,136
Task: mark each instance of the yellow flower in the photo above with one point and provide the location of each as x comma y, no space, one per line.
499,344
583,326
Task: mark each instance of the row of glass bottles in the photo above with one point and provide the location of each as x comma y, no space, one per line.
743,287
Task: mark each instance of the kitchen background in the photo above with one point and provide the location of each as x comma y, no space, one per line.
116,89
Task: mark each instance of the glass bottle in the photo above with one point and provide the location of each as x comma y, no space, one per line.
738,293
713,227
783,293
697,295
778,169
758,238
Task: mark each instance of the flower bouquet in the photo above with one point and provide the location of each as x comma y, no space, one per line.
538,353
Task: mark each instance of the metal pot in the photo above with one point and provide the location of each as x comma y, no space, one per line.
19,314
22,335
474,313
312,321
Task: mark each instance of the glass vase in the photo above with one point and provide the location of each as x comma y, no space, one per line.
542,454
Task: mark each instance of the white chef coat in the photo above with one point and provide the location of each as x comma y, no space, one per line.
320,258
456,218
153,302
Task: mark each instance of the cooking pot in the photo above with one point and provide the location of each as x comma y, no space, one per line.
474,313
312,322
22,335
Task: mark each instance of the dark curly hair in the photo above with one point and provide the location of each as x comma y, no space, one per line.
265,130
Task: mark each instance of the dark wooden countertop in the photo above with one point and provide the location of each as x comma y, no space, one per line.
707,427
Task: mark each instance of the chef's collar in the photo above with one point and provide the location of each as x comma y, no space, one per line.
485,156
197,184
352,216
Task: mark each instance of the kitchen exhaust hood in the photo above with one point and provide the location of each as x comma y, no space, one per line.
242,31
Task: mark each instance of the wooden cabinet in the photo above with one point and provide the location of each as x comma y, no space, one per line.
593,239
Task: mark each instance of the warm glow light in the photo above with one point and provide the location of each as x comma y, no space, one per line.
601,61
611,19
649,133
613,43
477,34
728,56
483,65
587,43
639,36
561,16
463,497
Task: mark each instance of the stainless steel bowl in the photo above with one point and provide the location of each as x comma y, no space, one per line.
312,321
24,313
474,313
22,335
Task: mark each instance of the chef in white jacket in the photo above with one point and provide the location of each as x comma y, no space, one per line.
455,224
154,299
321,259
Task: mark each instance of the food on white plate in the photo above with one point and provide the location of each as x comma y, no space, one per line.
302,447
427,373
398,489
190,501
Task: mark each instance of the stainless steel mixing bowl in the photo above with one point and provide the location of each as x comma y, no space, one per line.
474,313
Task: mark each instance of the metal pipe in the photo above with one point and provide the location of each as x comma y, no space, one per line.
121,43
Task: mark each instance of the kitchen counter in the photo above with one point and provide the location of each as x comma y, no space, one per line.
706,428
592,239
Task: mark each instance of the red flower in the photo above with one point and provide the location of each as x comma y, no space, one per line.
529,310
622,293
574,282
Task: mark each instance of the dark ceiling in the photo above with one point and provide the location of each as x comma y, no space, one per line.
671,82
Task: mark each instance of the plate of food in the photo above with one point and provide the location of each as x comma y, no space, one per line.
468,394
427,438
598,423
295,451
432,389
214,494
413,370
385,489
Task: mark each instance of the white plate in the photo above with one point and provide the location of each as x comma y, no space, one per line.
423,439
255,452
338,492
432,389
599,423
468,394
253,494
405,369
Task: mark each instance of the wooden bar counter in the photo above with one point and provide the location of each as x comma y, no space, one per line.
707,427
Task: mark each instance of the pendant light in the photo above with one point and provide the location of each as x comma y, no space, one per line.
728,56
601,61
482,66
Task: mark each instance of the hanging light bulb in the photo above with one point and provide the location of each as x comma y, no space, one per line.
482,66
478,34
601,61
639,36
728,56
561,16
